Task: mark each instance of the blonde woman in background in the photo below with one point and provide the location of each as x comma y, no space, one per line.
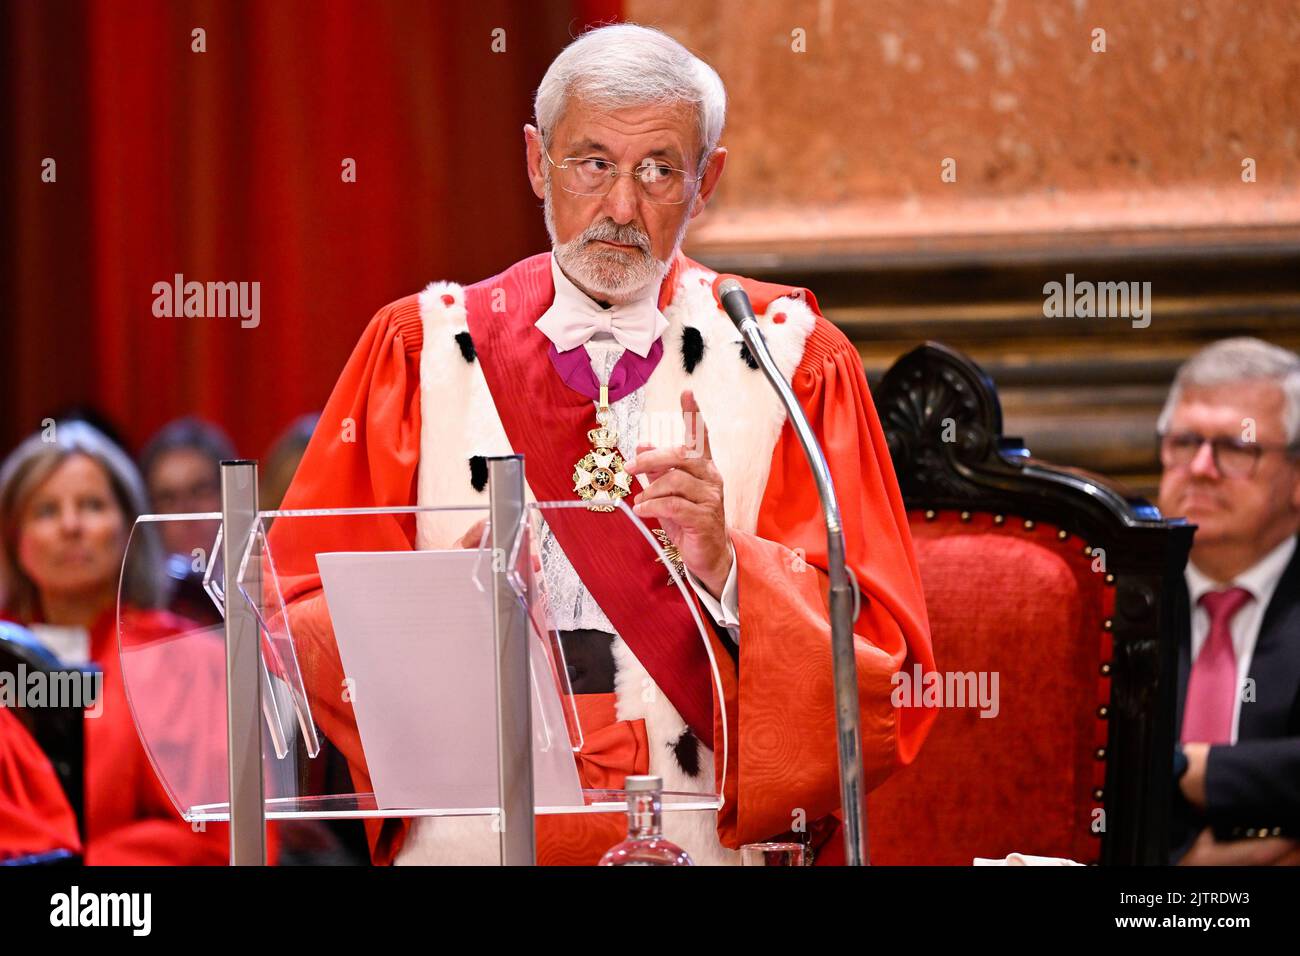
67,507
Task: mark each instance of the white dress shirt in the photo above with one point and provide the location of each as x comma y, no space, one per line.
1261,580
604,352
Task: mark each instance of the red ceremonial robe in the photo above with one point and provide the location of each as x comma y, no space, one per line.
130,821
35,816
783,770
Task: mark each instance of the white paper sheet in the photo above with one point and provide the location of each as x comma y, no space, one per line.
415,637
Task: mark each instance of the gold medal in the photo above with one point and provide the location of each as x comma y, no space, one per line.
599,477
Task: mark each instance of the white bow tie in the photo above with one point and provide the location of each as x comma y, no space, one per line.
573,318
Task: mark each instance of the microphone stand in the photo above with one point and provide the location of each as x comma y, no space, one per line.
842,592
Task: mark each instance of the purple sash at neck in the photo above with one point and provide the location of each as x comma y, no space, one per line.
631,372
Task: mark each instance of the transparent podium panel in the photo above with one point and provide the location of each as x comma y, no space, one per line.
378,670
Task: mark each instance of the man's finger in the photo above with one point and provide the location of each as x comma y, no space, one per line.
647,477
1208,851
1291,858
697,432
686,513
474,536
658,460
681,484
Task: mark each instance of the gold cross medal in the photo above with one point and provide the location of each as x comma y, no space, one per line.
599,477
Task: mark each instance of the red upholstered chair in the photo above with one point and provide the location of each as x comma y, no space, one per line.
1067,590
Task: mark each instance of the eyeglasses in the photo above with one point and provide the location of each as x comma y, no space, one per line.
1232,458
662,184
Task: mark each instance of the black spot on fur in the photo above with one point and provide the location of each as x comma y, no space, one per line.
478,472
466,346
687,752
692,349
748,357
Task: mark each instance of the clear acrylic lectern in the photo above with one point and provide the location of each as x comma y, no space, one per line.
428,645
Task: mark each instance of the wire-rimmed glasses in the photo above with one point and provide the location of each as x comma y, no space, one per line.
592,176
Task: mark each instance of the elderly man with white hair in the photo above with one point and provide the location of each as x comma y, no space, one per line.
1230,447
615,322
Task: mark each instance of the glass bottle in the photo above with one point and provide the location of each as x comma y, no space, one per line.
645,844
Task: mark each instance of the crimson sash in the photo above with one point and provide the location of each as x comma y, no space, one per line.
547,422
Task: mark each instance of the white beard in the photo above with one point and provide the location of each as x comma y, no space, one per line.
604,273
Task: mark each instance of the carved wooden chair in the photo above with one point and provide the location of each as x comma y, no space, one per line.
1070,591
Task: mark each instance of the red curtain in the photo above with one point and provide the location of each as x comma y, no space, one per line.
227,166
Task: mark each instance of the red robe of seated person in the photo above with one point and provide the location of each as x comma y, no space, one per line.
130,821
35,816
129,818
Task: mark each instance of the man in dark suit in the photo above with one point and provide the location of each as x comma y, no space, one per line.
1230,449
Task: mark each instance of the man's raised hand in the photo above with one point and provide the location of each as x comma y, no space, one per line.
685,494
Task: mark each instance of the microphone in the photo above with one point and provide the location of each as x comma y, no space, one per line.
844,598
736,303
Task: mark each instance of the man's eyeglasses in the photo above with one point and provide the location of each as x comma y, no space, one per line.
1233,458
591,176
